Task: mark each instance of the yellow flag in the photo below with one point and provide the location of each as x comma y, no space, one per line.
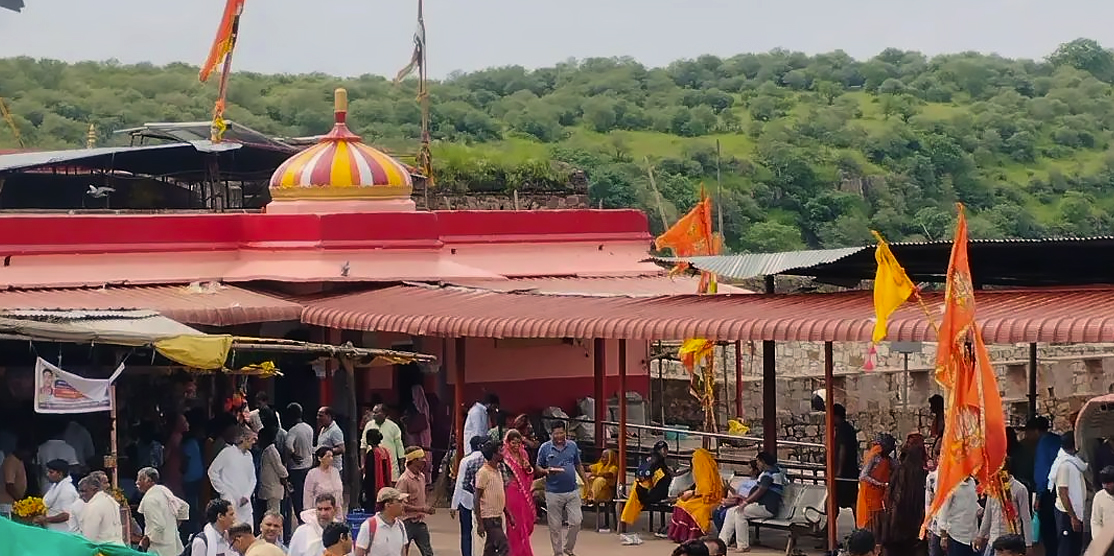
891,287
695,351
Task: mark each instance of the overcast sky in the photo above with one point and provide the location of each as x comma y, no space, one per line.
352,37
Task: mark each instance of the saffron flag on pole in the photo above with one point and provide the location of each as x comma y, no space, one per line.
974,443
417,59
892,287
224,41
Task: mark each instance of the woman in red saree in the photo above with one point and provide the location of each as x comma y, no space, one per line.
520,500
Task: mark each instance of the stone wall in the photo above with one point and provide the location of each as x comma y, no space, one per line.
475,201
886,398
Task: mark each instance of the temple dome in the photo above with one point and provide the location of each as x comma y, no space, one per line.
340,168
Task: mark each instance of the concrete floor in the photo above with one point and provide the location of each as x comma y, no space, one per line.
445,533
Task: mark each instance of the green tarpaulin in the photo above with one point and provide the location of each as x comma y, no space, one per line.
22,540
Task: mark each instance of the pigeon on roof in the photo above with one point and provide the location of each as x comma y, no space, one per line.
14,5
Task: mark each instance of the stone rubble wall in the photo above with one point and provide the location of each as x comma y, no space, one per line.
503,202
886,398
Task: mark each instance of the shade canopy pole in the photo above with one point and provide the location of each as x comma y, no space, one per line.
829,441
622,416
599,361
769,389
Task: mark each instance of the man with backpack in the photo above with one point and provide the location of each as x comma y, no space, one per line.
220,516
384,533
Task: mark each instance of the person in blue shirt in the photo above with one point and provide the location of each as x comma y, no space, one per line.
1047,446
559,461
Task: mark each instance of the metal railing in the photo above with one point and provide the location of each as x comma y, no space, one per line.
799,471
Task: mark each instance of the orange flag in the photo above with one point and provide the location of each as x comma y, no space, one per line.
692,234
223,43
974,443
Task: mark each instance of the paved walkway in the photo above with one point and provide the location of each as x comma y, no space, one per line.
445,534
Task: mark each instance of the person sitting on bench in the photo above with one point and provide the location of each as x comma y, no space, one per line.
651,487
763,502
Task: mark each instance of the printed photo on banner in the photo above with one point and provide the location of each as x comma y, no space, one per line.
58,391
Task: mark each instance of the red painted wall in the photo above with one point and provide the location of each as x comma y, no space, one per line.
132,233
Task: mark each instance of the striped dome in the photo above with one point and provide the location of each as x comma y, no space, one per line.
341,167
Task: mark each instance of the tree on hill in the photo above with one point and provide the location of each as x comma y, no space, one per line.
813,151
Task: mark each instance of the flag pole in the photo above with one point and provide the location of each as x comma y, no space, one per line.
425,153
218,127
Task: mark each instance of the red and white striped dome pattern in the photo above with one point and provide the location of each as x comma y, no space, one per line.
340,166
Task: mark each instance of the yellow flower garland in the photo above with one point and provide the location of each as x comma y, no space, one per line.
29,507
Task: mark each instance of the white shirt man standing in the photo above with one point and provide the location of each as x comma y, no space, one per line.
307,537
299,444
465,491
478,421
331,437
232,474
220,516
384,534
161,512
99,520
1102,508
958,520
1067,483
59,499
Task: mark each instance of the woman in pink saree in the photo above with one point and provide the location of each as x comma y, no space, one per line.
520,499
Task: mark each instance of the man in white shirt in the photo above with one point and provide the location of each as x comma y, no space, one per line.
220,516
59,499
307,537
100,518
299,443
232,474
384,534
994,519
161,511
478,420
331,436
1102,508
958,520
933,528
81,441
465,491
392,438
1067,482
53,449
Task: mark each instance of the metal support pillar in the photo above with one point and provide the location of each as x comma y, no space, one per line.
830,444
1032,380
458,399
769,389
599,353
739,379
622,478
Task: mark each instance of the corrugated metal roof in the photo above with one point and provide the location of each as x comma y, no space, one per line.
208,305
614,286
1059,261
1080,316
751,265
26,160
111,327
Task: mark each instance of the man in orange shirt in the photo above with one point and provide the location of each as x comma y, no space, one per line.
13,487
412,482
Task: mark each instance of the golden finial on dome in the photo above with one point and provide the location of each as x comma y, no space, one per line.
340,100
91,137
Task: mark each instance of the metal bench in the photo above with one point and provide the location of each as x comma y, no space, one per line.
803,513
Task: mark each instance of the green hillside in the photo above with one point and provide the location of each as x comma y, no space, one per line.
814,150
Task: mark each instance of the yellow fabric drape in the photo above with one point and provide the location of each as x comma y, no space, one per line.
892,287
709,489
633,507
200,352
